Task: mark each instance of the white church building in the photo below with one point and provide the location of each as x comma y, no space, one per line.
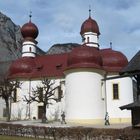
82,74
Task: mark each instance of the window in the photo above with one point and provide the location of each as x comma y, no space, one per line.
30,49
59,94
87,39
4,112
59,66
40,92
115,91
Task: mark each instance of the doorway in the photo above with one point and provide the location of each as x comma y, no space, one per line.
40,112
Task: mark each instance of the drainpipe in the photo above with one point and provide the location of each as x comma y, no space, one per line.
105,76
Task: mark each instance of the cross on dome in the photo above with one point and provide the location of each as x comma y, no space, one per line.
111,45
89,11
30,16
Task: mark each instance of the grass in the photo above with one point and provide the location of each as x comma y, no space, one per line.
16,138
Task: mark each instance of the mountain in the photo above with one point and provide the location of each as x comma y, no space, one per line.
10,39
62,48
10,43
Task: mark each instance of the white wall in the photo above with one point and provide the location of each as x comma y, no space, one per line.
125,97
26,46
83,95
93,39
2,106
83,98
21,108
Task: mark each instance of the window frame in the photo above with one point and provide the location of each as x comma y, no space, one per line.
115,94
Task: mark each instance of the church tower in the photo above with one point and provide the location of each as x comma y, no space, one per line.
84,74
29,32
90,32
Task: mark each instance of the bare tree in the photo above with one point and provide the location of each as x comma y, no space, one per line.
45,94
7,91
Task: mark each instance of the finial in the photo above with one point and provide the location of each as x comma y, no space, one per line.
30,15
89,11
111,45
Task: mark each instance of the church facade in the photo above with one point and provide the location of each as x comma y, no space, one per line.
84,76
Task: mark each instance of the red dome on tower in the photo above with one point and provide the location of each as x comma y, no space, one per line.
84,57
113,61
90,25
29,30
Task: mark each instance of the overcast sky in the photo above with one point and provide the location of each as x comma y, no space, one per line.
59,21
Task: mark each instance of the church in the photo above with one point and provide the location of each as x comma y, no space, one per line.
84,75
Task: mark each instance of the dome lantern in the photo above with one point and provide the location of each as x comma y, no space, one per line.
90,32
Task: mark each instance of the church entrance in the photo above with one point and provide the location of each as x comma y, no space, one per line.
40,112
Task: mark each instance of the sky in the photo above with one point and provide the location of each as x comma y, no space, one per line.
59,21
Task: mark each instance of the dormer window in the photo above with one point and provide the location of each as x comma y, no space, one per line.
59,66
39,67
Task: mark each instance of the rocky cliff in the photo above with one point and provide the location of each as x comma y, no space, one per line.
10,43
10,39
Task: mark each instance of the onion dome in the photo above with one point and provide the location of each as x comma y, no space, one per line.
90,25
113,61
84,57
22,66
29,30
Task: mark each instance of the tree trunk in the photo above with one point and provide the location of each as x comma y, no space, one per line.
7,110
44,119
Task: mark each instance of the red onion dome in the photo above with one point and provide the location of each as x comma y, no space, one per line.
113,61
84,57
29,30
90,25
21,66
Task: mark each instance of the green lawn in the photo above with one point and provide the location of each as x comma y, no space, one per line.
16,138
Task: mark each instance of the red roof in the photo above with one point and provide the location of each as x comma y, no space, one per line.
22,65
84,57
29,30
54,65
90,25
45,66
113,61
